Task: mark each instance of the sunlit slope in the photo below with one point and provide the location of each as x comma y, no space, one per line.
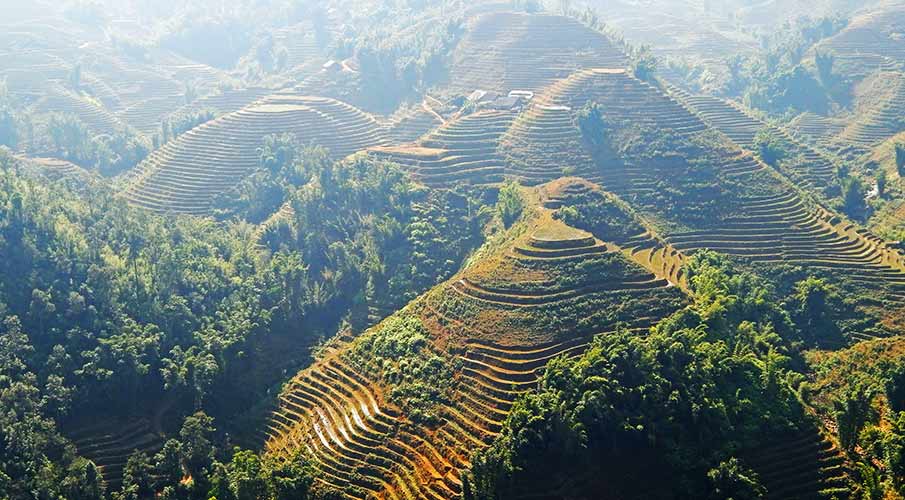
504,51
398,411
465,149
811,167
706,192
186,174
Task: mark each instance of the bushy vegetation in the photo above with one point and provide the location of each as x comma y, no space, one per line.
778,80
14,125
605,217
510,204
398,353
108,154
861,388
706,385
396,67
180,123
120,307
770,149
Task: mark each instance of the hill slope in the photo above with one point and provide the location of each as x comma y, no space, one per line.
397,412
504,51
187,173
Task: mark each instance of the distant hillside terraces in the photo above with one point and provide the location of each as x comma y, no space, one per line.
503,51
109,444
726,200
462,150
186,174
730,118
870,42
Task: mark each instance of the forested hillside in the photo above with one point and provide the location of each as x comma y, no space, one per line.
503,249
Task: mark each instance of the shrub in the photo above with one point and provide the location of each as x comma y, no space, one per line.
592,124
853,197
732,480
881,179
510,204
644,64
770,149
824,63
852,411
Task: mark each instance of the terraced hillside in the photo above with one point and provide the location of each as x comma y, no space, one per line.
883,121
611,219
544,143
678,28
871,41
186,174
503,51
726,200
479,340
802,465
462,150
301,45
412,124
95,117
110,443
810,166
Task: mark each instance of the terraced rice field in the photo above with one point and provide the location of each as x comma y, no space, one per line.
802,466
229,100
412,125
96,118
56,168
186,174
543,144
824,133
815,168
870,41
645,247
463,150
624,98
881,123
110,444
779,227
502,51
301,45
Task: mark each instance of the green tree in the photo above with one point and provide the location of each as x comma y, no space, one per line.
510,204
813,305
770,149
880,179
853,197
852,411
197,448
824,62
592,124
644,63
289,479
138,476
168,464
895,386
83,481
732,481
246,476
